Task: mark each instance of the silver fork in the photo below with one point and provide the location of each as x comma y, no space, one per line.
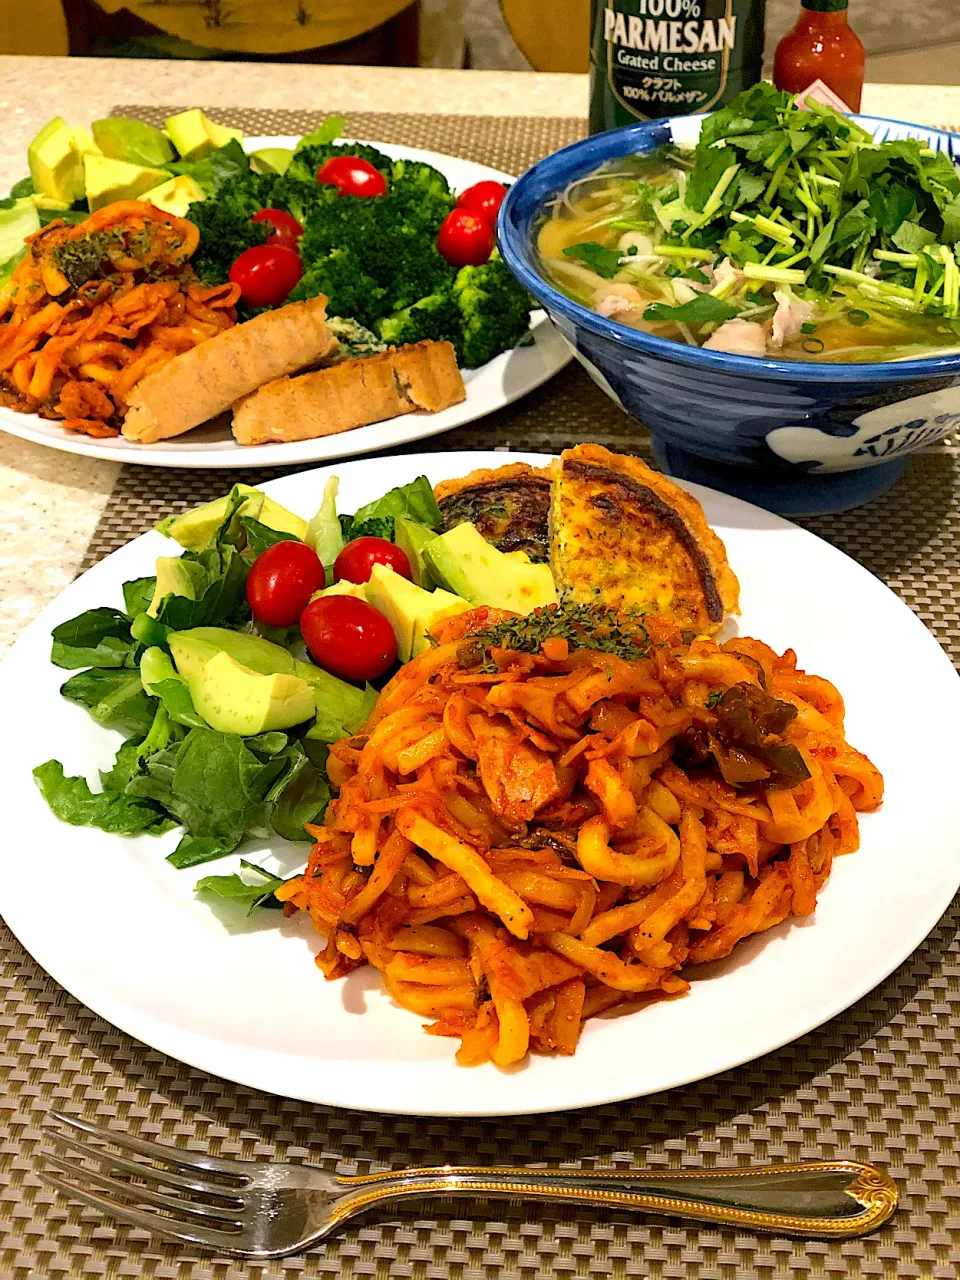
257,1209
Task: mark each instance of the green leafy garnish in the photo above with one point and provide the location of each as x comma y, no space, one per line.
583,626
605,262
704,309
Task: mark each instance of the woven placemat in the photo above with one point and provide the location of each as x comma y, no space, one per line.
880,1082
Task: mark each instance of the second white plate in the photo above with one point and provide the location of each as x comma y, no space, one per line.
503,380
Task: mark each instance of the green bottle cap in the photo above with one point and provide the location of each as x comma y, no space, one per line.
824,6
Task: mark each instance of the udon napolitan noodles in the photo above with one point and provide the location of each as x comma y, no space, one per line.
787,233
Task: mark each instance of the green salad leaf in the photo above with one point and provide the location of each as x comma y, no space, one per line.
236,889
219,574
96,638
302,797
217,169
260,536
138,594
114,697
71,800
415,501
327,132
161,680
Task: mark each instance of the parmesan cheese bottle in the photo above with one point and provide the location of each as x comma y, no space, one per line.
656,58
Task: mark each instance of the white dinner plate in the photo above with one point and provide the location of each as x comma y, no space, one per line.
495,384
122,930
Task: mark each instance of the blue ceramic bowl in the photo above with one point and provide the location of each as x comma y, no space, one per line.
793,436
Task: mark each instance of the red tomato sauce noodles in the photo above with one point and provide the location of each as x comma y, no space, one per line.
522,841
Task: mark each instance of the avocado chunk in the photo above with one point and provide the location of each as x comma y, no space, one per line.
343,588
133,141
443,604
56,162
234,699
411,538
107,181
408,608
84,139
193,134
339,701
175,196
195,529
271,160
463,561
174,578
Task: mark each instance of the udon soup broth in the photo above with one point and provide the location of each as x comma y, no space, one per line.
625,241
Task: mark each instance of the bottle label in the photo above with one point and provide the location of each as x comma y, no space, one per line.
660,58
820,92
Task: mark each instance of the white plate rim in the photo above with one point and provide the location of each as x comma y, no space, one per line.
410,1088
508,377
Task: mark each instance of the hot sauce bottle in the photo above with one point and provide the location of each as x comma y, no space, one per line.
821,57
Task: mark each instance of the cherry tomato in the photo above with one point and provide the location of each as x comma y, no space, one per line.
353,176
281,581
348,637
355,562
483,198
465,238
284,228
266,273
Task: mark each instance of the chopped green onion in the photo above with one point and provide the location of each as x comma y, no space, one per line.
887,255
766,226
777,275
858,318
812,346
686,252
773,158
774,184
859,277
809,327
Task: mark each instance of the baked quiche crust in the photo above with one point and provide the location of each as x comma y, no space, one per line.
626,537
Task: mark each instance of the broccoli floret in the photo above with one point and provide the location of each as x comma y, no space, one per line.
421,194
411,268
307,160
494,311
226,229
435,317
372,527
301,198
348,289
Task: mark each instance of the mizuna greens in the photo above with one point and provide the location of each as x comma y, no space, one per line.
792,224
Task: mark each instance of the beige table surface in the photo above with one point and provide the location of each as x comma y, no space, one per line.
49,501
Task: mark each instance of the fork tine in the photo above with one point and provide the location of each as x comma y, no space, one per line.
224,1241
173,1204
163,1177
157,1150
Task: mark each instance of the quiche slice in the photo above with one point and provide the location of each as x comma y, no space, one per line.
625,537
509,505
